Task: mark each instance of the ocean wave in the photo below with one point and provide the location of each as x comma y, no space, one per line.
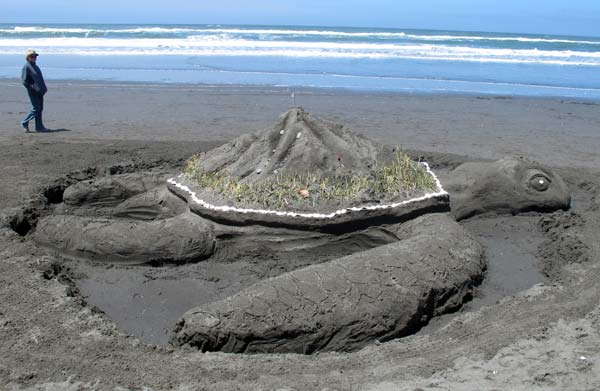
328,33
504,39
440,37
298,33
138,30
226,46
35,29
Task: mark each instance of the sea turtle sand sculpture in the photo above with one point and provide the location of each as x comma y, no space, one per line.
392,257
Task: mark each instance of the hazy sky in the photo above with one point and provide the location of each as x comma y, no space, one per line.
575,17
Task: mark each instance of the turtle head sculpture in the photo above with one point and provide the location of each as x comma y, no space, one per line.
506,186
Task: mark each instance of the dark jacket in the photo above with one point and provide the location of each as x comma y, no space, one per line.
32,79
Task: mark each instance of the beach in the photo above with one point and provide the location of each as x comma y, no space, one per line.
556,131
542,337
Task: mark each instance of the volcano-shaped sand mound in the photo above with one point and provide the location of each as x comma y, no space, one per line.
299,143
307,173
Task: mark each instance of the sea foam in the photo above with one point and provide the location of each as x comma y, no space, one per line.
224,45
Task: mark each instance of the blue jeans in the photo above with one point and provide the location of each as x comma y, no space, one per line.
37,101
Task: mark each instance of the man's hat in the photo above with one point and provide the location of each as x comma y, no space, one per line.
31,52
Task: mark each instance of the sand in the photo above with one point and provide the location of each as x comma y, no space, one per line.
544,337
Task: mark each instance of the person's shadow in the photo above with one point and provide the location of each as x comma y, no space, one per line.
53,130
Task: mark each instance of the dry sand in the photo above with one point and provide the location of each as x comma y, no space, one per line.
544,338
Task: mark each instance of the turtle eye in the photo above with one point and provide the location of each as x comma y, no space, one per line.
539,182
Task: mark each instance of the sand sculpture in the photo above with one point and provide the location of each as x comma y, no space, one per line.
306,188
508,186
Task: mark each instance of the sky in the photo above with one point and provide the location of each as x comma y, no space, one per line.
562,17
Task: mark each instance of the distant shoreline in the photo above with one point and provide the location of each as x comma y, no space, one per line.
246,88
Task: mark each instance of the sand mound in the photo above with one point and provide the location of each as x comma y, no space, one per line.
299,143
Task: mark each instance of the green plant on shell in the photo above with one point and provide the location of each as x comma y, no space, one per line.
400,175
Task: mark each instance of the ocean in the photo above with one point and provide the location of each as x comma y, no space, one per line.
360,59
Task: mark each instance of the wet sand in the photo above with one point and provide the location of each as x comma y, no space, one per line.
531,340
553,131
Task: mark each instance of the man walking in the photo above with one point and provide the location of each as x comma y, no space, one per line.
36,88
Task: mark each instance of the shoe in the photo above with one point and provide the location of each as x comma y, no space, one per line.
26,127
43,130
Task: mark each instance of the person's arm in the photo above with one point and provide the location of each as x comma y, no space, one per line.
24,77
